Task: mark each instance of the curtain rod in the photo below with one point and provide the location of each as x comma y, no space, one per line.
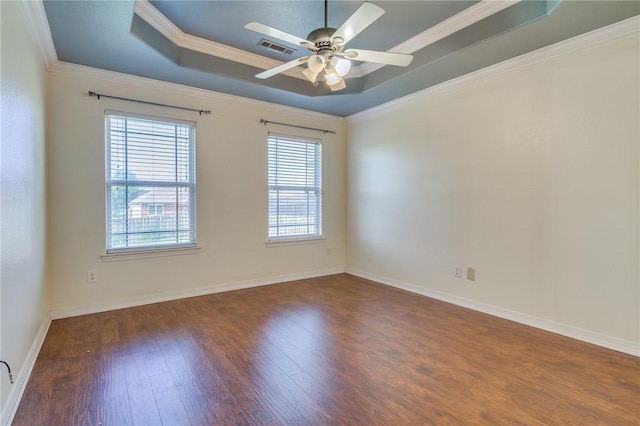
265,122
199,111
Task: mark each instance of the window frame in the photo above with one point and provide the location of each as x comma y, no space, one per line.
189,184
275,240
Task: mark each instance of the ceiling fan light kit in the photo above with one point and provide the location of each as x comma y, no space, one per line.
341,65
311,76
340,84
331,76
328,60
316,63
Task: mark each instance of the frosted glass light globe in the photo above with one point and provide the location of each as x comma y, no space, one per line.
311,76
316,63
332,76
342,66
338,86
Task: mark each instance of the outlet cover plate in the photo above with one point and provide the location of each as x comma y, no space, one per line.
471,274
457,272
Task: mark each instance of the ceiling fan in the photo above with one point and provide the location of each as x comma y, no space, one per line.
329,60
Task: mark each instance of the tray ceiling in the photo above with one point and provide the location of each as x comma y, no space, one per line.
204,44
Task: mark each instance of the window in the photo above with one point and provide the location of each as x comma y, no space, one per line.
150,182
295,198
155,209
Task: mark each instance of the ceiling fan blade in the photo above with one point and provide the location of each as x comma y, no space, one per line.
361,19
280,68
387,58
272,32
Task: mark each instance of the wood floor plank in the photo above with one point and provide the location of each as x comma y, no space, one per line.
201,410
286,401
247,404
167,400
115,394
144,410
325,351
88,394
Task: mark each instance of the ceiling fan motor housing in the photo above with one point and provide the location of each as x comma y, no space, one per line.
321,38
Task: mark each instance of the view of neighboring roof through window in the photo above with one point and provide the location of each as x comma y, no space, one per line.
150,182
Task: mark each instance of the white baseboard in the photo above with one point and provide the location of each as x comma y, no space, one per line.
182,294
11,405
608,342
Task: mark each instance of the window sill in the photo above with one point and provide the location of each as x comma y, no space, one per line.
294,242
145,254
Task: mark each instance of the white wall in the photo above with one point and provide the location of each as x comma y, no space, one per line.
531,177
23,289
231,193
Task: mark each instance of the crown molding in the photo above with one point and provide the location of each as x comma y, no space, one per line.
145,10
38,24
83,71
619,29
461,20
157,20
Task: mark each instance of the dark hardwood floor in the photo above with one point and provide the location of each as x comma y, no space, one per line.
336,350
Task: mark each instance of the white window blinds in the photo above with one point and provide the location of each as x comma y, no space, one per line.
295,182
150,182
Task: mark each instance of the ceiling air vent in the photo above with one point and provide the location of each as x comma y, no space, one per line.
275,46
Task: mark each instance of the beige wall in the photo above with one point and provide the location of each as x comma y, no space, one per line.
231,194
23,289
531,177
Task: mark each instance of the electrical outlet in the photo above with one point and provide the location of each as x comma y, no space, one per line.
471,274
327,251
457,272
92,276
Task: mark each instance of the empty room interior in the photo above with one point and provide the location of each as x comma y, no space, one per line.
320,212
